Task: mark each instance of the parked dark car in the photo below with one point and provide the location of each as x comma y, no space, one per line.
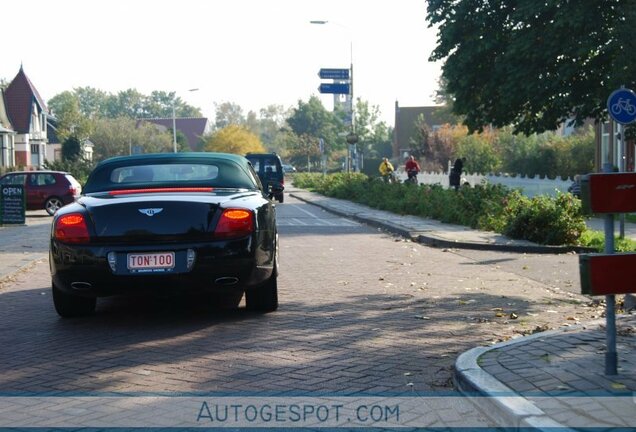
270,171
288,169
48,190
166,223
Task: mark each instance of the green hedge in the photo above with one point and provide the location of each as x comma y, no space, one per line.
544,220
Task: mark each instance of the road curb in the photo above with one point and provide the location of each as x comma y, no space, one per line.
435,241
505,406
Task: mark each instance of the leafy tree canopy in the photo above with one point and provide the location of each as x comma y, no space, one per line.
93,103
533,64
374,136
122,136
234,139
71,148
70,120
228,113
312,119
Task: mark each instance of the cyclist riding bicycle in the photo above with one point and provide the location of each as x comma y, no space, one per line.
386,170
412,169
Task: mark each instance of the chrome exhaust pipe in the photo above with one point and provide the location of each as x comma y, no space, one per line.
81,285
226,281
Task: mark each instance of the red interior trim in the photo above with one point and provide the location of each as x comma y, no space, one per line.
160,190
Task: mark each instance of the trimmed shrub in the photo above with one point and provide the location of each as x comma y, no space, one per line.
545,220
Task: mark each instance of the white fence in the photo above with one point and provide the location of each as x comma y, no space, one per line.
529,186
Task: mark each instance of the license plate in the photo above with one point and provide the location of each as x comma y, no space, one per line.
151,262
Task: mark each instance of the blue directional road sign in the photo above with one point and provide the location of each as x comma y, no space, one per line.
337,74
622,106
335,88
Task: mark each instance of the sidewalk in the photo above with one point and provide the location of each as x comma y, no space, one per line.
22,245
552,379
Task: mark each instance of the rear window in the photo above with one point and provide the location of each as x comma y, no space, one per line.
265,164
137,173
164,173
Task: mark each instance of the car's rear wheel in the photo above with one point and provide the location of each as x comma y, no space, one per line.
52,205
263,298
280,198
69,306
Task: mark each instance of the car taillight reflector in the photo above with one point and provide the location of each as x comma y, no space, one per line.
156,190
235,223
71,228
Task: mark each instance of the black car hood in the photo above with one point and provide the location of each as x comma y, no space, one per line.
158,216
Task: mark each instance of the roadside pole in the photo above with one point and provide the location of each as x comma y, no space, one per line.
611,358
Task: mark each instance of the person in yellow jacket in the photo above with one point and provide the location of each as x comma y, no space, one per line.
386,170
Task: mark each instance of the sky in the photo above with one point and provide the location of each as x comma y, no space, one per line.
250,52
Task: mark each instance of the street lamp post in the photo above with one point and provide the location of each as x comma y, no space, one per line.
352,138
174,122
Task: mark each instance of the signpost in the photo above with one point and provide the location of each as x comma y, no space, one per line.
342,84
335,74
334,88
621,105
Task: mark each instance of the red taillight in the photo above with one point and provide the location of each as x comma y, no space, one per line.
235,223
71,228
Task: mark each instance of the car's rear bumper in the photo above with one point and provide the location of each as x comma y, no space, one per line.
85,271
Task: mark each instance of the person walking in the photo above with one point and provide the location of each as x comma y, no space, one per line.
455,175
412,169
386,170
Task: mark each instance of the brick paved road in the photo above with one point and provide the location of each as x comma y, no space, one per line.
361,311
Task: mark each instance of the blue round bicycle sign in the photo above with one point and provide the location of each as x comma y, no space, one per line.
622,106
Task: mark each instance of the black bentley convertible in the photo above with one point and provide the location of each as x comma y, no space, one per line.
170,222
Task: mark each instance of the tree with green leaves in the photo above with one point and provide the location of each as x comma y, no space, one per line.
234,139
65,107
228,113
374,136
312,119
533,64
123,136
71,148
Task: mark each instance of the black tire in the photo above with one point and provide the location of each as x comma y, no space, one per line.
53,204
70,306
264,298
280,198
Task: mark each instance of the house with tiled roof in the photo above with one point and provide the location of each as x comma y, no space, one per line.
27,114
193,128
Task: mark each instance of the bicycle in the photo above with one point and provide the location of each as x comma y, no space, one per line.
623,105
388,178
411,177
